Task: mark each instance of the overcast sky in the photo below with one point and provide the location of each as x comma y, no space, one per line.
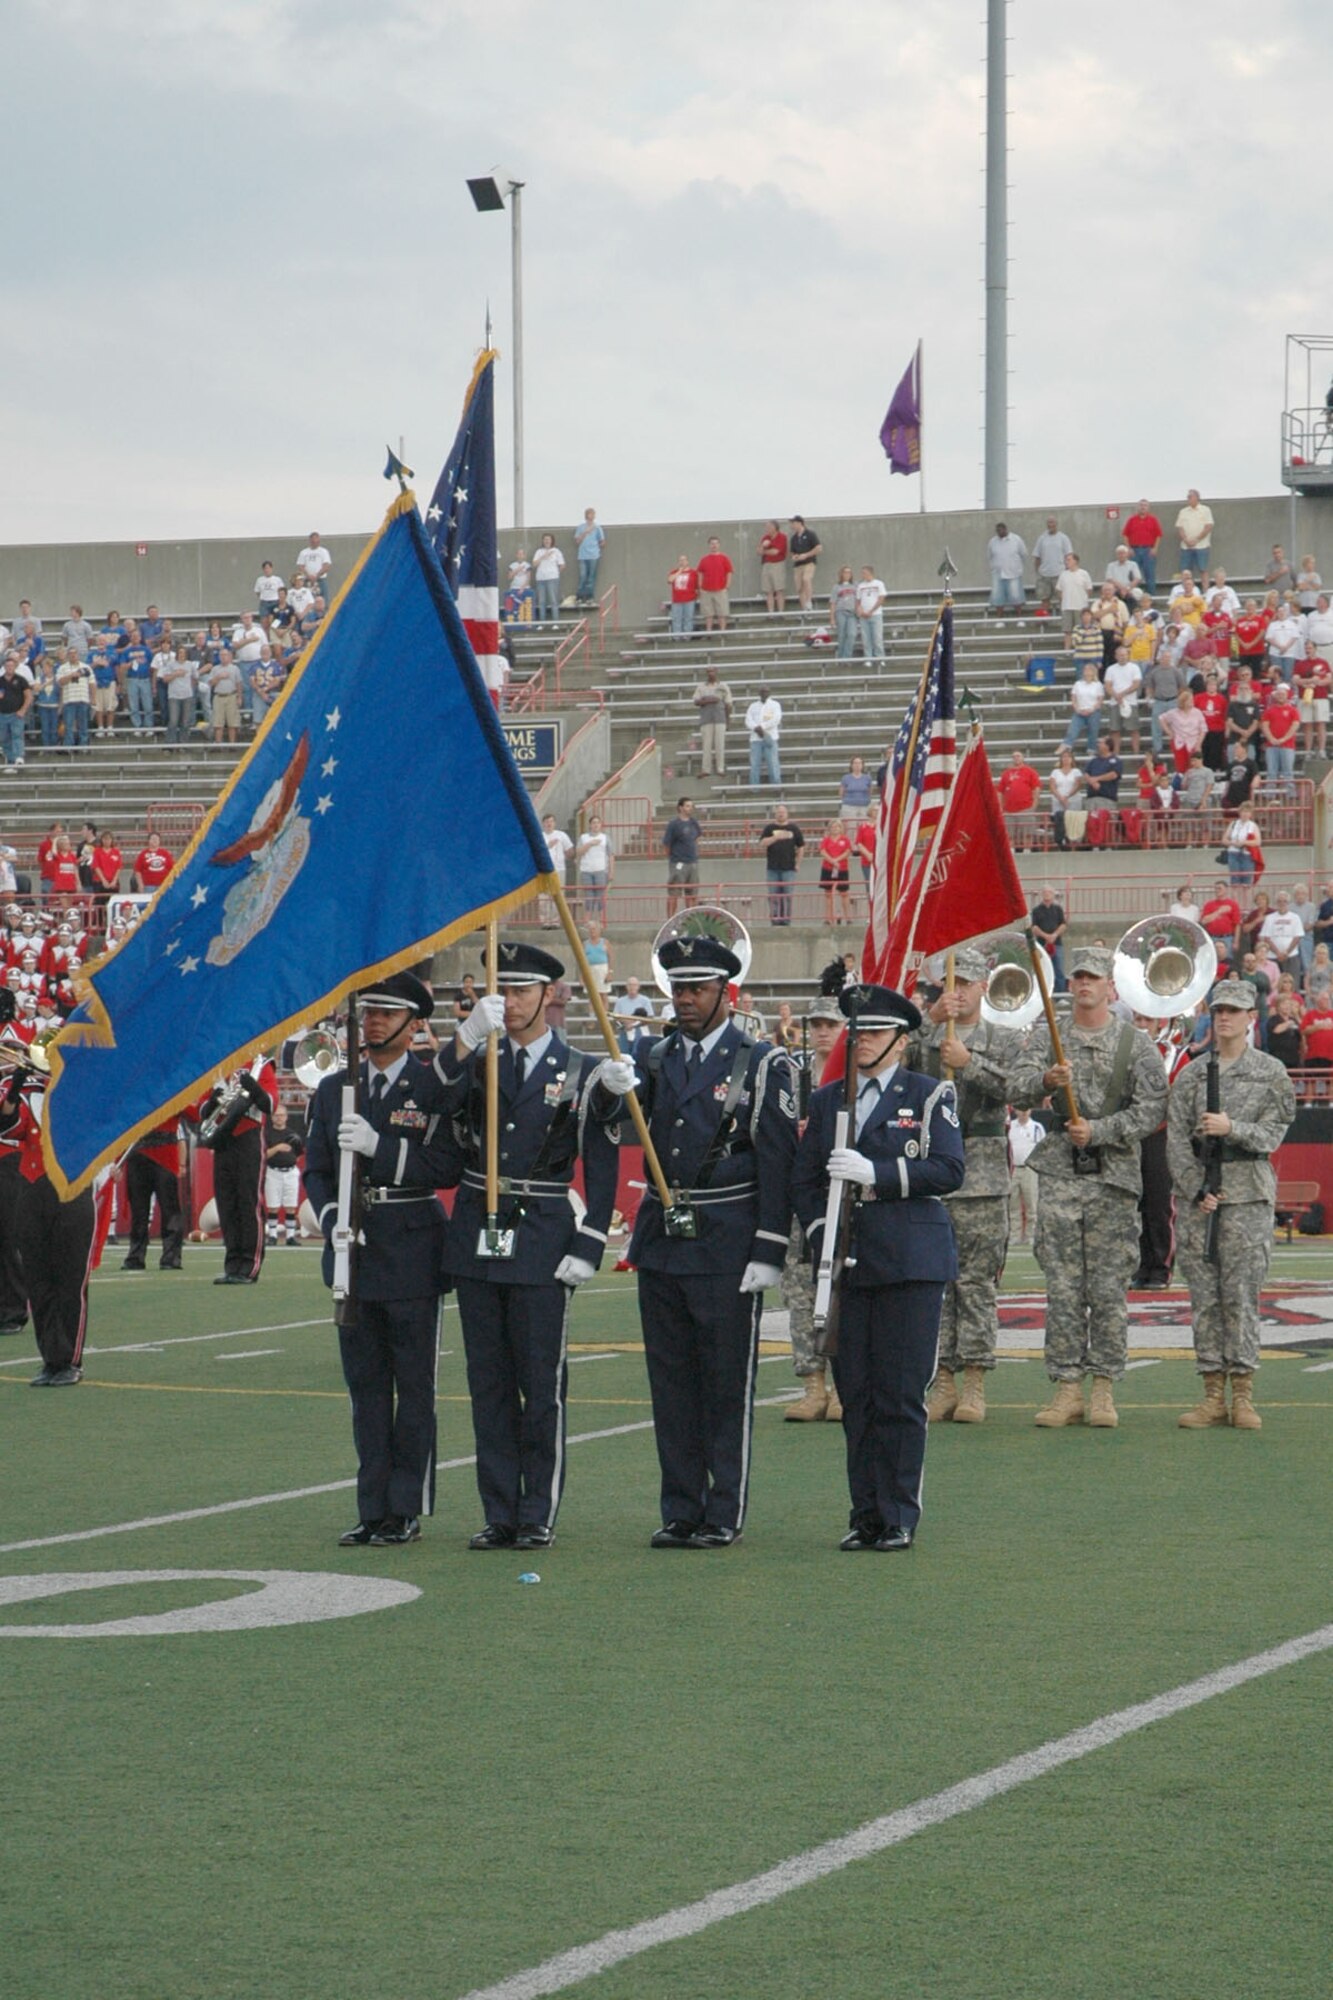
239,255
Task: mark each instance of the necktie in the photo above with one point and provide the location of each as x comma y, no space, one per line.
520,1067
865,1103
376,1090
694,1057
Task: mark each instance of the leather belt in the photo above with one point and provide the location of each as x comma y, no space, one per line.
376,1197
511,1186
709,1197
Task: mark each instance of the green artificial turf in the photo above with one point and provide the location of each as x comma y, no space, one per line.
419,1801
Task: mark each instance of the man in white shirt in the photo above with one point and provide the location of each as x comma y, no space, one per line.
314,560
763,719
1282,930
1319,625
1024,1133
1007,555
247,640
870,596
1286,640
1221,597
300,598
1073,587
1124,572
559,846
267,586
1050,552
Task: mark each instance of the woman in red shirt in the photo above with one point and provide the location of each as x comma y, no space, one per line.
107,863
64,872
684,583
1317,1035
1251,631
834,857
773,566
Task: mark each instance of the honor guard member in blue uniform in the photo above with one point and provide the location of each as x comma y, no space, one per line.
389,1352
722,1113
908,1153
514,1294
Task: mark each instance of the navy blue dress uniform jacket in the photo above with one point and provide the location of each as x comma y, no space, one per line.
915,1141
403,1253
744,1213
549,1229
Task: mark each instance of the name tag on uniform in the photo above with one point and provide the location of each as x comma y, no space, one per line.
409,1115
553,1090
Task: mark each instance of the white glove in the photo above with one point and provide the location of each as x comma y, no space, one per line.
358,1135
760,1277
846,1164
574,1271
486,1018
619,1076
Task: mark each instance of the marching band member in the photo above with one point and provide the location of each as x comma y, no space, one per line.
722,1115
241,1103
152,1170
56,1239
390,1342
514,1306
908,1152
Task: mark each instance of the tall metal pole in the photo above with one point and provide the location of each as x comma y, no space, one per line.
516,249
997,261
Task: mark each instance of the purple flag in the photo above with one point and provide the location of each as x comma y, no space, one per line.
900,433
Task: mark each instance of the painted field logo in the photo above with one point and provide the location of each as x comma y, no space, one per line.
284,1597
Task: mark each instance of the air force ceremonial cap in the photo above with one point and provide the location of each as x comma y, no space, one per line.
527,965
402,989
689,961
878,1007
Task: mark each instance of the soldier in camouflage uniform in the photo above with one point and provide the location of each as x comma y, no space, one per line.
1258,1104
1087,1237
819,1403
954,1038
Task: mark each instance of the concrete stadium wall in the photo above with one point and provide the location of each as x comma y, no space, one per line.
194,579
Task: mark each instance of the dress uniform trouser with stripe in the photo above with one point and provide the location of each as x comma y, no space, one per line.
145,1178
392,1342
701,1342
55,1242
13,1291
514,1339
887,1344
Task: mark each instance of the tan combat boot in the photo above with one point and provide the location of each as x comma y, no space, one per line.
834,1412
813,1406
1065,1407
1213,1408
942,1402
972,1403
1102,1413
1244,1416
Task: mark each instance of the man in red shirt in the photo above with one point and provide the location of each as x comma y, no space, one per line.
1143,532
1317,1035
1018,785
152,865
1313,685
1277,730
1220,917
715,573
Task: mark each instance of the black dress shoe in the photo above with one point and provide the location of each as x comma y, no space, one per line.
858,1539
534,1538
712,1538
396,1528
12,1325
225,1279
170,1264
495,1535
133,1264
65,1378
357,1537
894,1538
42,1380
675,1535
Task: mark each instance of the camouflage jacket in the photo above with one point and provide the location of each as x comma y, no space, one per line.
1258,1097
1116,1135
983,1097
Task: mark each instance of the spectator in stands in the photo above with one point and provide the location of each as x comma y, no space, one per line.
518,597
547,563
1211,703
1285,1040
1251,635
1286,641
1282,931
1219,595
1185,907
806,549
267,588
106,691
178,677
712,702
152,865
1066,785
1123,683
1309,583
870,596
680,838
632,1007
1186,726
266,683
1317,1034
715,574
558,996
246,641
1162,684
1186,604
16,698
748,1017
835,856
1111,614
559,847
1278,726
1197,784
65,884
1279,574
1085,700
314,561
786,1029
86,850
1073,588
1254,975
763,721
854,789
1244,844
1049,925
466,997
311,619
863,846
1018,786
137,679
1312,684
107,864
76,632
1220,917
842,613
47,701
1086,643
76,700
782,841
1007,556
1101,777
683,582
598,954
1143,533
1050,553
1319,979
1143,632
1124,573
224,685
773,569
596,865
1243,718
589,545
300,597
1194,532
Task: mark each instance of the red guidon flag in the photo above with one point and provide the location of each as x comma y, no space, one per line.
967,882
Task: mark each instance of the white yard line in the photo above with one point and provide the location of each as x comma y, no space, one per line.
1319,1368
180,1340
571,1968
1155,1362
248,1354
304,1492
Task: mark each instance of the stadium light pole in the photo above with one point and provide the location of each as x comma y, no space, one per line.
997,262
490,192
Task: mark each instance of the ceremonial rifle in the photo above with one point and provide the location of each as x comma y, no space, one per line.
1212,1156
840,1213
347,1227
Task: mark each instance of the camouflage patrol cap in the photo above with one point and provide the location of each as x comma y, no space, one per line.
969,963
1235,993
1093,958
824,1010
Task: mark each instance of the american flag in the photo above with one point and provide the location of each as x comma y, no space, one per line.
460,522
921,772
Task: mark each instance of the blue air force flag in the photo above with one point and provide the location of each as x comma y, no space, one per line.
377,815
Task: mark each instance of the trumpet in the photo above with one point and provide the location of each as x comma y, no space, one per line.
28,1062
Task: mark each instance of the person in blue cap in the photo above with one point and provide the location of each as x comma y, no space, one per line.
514,1293
721,1110
389,1349
906,1155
